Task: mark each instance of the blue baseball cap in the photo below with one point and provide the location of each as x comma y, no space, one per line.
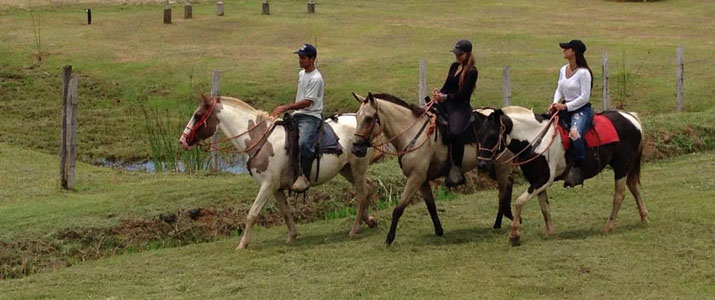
307,50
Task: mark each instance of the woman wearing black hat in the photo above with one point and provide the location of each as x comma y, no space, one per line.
571,98
454,98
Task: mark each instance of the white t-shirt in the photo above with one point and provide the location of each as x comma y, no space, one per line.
575,90
310,86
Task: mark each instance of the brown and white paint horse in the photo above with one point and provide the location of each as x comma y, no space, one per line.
423,155
516,129
247,128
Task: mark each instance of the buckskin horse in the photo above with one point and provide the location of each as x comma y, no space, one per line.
538,147
255,134
422,152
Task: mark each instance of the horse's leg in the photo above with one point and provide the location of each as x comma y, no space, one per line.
426,191
354,175
413,183
635,189
284,208
263,193
618,195
514,236
505,184
546,211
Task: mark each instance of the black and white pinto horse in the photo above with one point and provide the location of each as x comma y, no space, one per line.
542,157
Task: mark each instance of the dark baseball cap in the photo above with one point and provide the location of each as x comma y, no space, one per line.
307,50
462,46
576,45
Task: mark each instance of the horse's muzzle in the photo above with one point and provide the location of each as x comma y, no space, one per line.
359,150
484,164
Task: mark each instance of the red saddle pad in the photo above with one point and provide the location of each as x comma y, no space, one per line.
601,133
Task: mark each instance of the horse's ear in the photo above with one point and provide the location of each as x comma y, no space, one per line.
370,97
206,99
359,98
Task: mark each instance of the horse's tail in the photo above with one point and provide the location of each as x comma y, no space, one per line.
634,171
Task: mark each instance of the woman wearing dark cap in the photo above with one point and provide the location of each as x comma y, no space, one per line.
571,99
454,98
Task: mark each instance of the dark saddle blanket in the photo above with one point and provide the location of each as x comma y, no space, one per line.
601,133
469,135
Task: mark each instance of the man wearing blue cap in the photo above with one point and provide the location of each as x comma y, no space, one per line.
308,112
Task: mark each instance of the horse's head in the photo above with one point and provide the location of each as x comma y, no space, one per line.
202,124
368,124
492,136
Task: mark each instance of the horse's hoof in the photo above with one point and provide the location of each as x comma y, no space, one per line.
388,241
439,232
371,222
241,247
515,241
352,235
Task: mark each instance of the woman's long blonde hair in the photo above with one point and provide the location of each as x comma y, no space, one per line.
466,67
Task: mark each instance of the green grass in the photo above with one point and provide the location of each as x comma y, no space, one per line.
669,258
33,204
127,57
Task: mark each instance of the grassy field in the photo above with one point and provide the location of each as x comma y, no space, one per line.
127,58
109,238
669,258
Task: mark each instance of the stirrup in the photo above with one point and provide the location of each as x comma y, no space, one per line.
300,185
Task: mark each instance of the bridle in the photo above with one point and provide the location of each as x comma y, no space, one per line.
499,147
201,122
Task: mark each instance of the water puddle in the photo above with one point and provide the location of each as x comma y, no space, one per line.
235,165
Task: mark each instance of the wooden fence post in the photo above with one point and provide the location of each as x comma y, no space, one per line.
422,85
66,76
219,8
215,92
167,13
506,85
311,7
188,10
604,67
68,139
266,8
71,132
679,70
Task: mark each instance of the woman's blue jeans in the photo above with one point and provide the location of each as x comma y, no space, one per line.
581,119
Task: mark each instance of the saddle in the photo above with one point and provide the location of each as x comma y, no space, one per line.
602,131
325,143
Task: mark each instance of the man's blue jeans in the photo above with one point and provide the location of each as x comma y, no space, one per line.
307,133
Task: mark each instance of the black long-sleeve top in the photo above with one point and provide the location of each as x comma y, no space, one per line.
458,99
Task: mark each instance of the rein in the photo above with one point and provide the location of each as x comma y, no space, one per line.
210,147
553,120
430,120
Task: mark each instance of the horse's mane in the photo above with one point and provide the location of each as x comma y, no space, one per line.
416,110
525,113
239,104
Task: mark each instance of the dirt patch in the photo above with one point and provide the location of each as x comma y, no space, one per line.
73,245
